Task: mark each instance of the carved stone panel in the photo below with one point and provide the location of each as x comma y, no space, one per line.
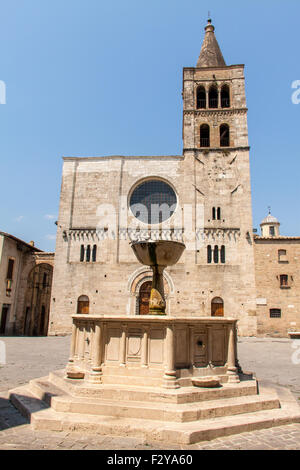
134,345
156,346
113,344
200,348
218,349
181,347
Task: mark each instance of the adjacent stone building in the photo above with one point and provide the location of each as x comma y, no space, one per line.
277,272
25,279
202,197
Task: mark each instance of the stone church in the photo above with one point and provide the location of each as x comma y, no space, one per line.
202,197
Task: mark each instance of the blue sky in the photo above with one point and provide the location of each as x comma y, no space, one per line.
88,77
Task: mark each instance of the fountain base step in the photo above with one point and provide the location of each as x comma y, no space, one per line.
173,416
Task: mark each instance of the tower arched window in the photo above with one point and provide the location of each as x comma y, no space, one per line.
224,135
88,253
204,135
225,96
214,213
213,97
201,97
219,213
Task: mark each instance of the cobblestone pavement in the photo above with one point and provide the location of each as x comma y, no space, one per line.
28,358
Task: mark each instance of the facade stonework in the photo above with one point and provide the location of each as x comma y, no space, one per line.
213,215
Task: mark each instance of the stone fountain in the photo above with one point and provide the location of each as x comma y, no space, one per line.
155,376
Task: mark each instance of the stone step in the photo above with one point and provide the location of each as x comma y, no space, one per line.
152,394
154,411
45,390
178,433
26,402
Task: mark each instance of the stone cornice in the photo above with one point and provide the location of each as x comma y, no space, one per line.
218,233
206,150
215,112
123,157
132,234
223,67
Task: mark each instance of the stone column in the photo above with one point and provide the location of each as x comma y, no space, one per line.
96,374
209,345
123,346
231,359
70,365
191,342
207,98
81,342
170,372
144,359
72,371
219,97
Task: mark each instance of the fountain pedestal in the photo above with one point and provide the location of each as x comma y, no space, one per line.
159,351
158,255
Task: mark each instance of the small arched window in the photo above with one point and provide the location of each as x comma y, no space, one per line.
201,97
88,253
209,254
217,307
83,304
94,253
224,135
214,213
82,253
204,135
216,254
219,213
213,97
223,259
225,96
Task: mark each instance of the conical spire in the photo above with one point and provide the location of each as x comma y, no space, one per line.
210,55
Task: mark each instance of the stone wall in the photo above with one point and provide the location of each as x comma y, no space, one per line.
269,265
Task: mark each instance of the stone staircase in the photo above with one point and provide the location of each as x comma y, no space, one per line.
183,416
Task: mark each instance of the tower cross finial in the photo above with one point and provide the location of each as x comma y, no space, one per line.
269,209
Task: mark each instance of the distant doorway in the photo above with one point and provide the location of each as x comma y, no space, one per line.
144,298
4,316
83,305
217,307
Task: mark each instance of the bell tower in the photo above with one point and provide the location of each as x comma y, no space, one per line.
216,160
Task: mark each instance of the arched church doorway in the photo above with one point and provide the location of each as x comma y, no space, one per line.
217,307
144,298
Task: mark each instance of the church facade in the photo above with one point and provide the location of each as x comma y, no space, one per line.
202,197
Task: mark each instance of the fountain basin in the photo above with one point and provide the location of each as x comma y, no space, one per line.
158,253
